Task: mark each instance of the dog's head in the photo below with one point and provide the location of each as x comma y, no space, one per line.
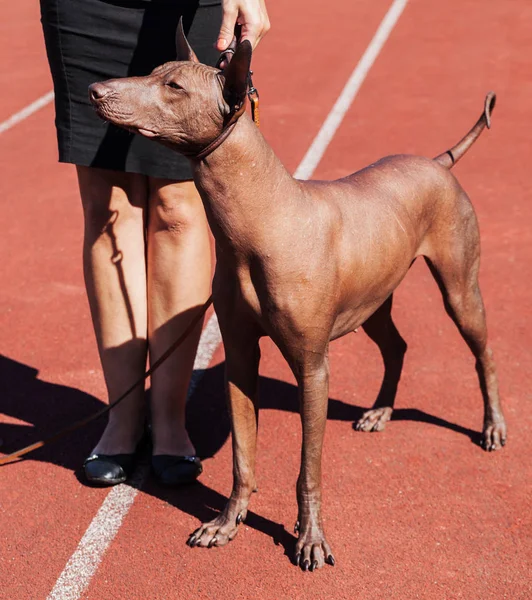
183,104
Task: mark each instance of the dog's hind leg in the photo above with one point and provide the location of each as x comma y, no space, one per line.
382,330
455,268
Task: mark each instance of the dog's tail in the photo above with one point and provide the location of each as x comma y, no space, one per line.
451,157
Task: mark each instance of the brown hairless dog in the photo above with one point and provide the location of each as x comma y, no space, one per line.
307,262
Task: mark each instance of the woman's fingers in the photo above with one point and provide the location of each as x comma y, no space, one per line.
251,14
229,17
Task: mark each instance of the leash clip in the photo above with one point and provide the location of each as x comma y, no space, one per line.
252,90
253,95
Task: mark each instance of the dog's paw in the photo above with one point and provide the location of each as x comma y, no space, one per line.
218,532
493,436
312,551
374,419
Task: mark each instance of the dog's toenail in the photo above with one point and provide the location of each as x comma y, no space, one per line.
212,542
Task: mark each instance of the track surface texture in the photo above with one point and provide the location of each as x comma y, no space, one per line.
417,511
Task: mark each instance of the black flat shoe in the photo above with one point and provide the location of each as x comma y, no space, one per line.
112,469
109,469
175,470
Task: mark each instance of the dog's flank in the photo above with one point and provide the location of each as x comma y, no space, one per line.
307,262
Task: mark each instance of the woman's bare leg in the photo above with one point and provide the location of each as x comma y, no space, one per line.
179,275
114,208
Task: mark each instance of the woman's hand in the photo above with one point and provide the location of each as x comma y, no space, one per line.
251,14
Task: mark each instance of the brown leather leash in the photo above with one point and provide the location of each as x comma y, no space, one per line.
56,436
253,93
253,96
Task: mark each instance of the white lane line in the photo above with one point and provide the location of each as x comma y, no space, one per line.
26,112
84,563
332,122
209,341
103,528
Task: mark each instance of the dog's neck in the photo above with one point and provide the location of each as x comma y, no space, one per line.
238,183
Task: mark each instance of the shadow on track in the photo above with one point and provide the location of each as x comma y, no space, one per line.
44,408
50,407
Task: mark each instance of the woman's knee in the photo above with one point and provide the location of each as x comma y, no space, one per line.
111,198
176,208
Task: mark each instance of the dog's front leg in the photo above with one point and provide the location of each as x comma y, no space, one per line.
312,549
242,365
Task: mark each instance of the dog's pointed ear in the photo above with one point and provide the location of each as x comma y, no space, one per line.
183,49
236,75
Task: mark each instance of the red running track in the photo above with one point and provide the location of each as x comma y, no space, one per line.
418,511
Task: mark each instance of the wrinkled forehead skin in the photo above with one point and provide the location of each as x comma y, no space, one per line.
197,72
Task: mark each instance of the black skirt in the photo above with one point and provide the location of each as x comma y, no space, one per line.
93,40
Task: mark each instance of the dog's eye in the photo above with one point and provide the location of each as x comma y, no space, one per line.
174,85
